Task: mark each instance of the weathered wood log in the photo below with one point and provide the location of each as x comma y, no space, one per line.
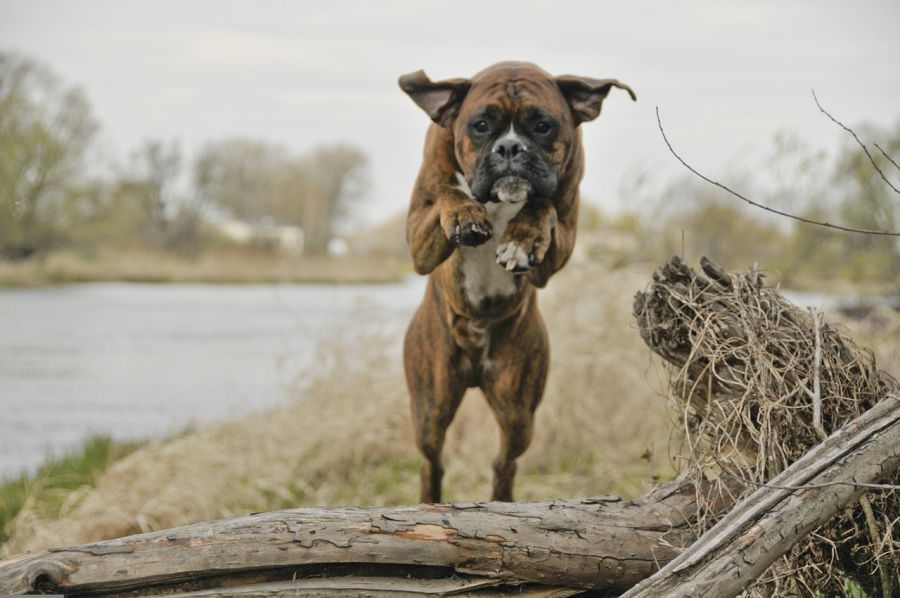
765,524
600,542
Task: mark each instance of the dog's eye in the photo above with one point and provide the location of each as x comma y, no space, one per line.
481,126
542,127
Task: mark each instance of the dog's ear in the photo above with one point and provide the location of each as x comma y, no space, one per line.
439,99
586,95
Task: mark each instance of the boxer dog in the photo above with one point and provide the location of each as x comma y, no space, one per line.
492,218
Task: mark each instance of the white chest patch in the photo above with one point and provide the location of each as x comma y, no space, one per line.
483,277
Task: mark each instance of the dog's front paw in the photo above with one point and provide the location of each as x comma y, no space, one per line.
467,224
513,257
523,245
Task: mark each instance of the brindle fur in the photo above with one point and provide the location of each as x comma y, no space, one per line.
501,344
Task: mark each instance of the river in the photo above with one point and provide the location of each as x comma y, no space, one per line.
138,361
141,361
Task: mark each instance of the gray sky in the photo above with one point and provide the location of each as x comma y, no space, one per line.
726,75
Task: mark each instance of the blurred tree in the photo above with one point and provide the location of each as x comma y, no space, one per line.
258,181
866,201
337,178
242,176
688,216
170,218
45,130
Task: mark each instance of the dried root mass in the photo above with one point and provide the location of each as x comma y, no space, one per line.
749,368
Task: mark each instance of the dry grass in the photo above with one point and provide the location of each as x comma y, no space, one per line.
750,367
346,439
214,266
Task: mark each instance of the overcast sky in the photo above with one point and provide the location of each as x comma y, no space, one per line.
726,75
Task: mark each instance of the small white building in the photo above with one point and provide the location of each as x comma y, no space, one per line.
286,239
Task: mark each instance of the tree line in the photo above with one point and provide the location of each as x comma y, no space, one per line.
686,216
52,194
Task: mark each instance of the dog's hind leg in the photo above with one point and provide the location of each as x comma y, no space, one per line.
513,386
433,408
515,436
436,389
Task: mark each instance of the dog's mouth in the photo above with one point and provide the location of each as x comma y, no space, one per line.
510,189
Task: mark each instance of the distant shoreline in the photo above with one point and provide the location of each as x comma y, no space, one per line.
210,267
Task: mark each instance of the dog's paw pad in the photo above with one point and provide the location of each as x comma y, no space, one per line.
512,257
472,233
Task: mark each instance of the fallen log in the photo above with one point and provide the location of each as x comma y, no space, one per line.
767,523
599,542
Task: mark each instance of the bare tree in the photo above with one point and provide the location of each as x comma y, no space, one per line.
851,229
45,130
170,216
255,180
242,176
336,178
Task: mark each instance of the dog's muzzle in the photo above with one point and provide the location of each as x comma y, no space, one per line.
510,189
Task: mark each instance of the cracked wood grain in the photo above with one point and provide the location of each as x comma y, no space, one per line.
765,524
600,542
593,543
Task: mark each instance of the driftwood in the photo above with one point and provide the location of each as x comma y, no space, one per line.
767,523
559,548
600,542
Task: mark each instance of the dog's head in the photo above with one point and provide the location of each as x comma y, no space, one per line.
514,125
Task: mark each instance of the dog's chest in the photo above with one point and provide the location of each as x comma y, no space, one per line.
482,276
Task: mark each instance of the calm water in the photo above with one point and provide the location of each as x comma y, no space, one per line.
138,361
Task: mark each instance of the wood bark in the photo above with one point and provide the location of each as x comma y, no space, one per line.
599,542
602,543
766,524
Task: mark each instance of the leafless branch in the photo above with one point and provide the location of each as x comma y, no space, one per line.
767,208
889,159
858,141
817,365
873,533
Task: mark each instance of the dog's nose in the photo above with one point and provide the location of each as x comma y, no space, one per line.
508,148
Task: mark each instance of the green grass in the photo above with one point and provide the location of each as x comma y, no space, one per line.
49,491
853,589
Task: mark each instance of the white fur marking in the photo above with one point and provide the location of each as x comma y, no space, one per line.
511,256
511,134
482,276
463,185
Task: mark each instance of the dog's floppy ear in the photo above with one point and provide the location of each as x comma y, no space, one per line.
586,95
439,99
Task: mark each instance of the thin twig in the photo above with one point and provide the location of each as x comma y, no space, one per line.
873,534
768,209
817,366
889,159
858,141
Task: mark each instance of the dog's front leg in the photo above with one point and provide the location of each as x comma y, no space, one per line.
537,242
441,223
442,213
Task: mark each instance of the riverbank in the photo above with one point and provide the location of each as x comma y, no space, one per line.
215,266
344,437
51,491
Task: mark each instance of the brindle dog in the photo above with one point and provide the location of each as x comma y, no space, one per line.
492,218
